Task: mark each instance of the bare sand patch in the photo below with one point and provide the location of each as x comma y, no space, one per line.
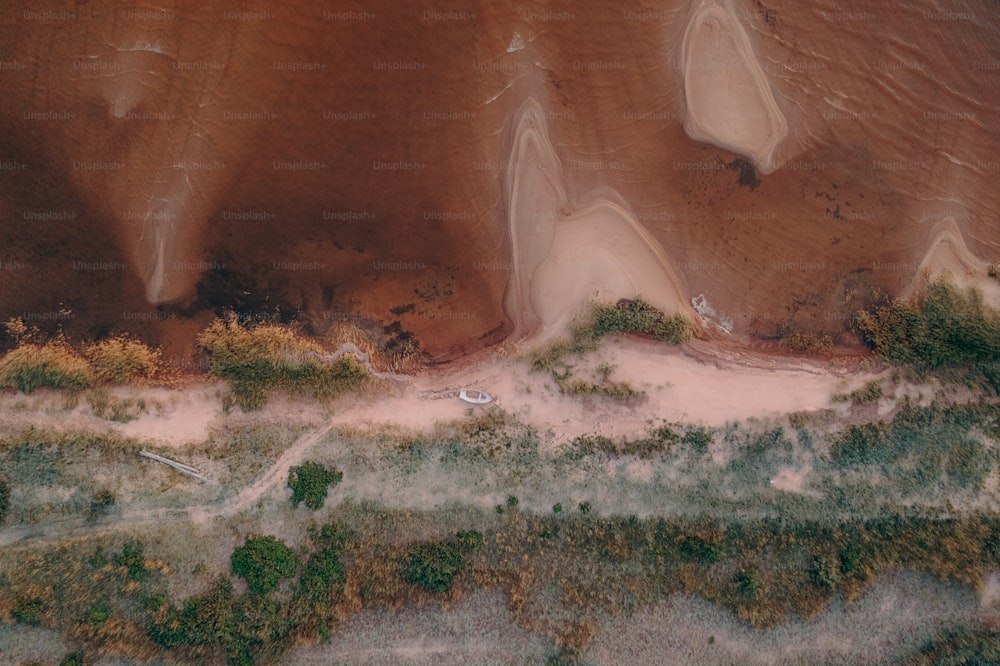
727,93
175,417
793,480
678,387
564,255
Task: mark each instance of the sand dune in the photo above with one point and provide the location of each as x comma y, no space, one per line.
564,256
729,100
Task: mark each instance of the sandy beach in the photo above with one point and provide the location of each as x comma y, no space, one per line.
727,93
567,254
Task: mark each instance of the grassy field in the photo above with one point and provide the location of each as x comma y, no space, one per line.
595,527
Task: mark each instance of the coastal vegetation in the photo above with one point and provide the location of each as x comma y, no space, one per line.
258,359
629,316
115,597
941,330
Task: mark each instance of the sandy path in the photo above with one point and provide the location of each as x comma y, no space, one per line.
198,513
678,387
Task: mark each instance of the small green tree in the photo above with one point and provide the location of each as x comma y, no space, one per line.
310,483
263,561
433,566
133,558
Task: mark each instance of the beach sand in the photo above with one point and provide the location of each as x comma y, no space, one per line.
728,94
565,255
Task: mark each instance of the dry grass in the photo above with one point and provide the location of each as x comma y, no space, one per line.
259,359
350,332
54,364
122,360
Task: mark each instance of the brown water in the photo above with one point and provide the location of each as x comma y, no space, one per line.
350,163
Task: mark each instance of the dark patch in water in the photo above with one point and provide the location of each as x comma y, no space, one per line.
399,341
748,175
403,309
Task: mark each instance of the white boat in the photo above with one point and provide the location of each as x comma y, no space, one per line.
475,396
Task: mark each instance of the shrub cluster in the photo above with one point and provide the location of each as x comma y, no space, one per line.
638,316
257,626
122,360
263,561
51,365
310,483
927,444
941,328
265,357
433,566
35,364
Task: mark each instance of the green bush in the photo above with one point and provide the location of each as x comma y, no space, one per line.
310,483
695,549
638,316
825,571
941,328
29,611
698,438
53,365
73,659
263,561
433,566
98,615
321,570
748,583
133,559
471,540
101,504
870,392
860,444
268,357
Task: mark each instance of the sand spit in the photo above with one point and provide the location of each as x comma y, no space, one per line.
948,257
564,255
728,95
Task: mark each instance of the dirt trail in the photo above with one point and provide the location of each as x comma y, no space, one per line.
678,388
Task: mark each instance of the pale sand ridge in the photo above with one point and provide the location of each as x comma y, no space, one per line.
728,95
564,256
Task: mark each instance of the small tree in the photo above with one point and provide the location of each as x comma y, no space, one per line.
310,483
133,558
432,566
263,561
